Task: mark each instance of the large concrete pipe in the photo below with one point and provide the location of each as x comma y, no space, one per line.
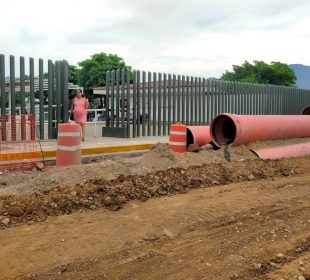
241,129
306,110
199,135
295,150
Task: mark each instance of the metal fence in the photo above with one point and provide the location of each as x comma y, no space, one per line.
146,104
28,89
139,103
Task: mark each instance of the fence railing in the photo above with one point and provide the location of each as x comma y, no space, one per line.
56,96
155,100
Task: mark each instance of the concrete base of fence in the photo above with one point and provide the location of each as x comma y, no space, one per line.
118,132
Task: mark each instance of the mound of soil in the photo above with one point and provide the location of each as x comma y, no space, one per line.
113,193
159,158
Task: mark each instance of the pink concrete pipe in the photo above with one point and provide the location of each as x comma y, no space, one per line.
242,129
199,135
306,110
295,150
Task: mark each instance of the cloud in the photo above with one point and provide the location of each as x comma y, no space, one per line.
195,37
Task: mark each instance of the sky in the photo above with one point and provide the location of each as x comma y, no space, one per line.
191,37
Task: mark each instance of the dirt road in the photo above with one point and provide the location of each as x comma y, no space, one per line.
251,220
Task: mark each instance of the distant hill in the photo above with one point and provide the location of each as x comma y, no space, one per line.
302,73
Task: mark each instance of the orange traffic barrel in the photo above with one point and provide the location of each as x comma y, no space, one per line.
68,144
177,138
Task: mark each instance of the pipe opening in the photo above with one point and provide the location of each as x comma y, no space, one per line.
224,130
306,111
189,137
254,152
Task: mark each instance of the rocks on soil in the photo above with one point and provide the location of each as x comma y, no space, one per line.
5,221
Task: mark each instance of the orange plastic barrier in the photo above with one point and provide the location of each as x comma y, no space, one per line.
177,138
18,148
68,144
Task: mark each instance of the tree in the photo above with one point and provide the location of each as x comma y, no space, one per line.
276,73
73,74
93,70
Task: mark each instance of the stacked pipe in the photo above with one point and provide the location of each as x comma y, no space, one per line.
242,129
236,129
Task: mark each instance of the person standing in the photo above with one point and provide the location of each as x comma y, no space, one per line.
79,106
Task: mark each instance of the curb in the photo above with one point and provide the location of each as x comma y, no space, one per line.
84,152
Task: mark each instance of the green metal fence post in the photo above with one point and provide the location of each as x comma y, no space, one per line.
199,102
2,86
143,102
3,97
165,104
183,114
234,105
169,102
187,101
107,98
212,99
41,99
174,99
117,97
22,97
123,84
204,119
192,102
65,79
138,106
128,74
149,103
221,99
65,91
134,105
178,99
159,111
196,100
209,101
112,98
228,96
32,102
154,103
216,97
51,90
58,92
13,98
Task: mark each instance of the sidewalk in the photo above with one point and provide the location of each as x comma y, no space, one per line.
100,145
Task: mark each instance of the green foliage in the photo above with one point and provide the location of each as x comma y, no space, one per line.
276,73
73,74
93,70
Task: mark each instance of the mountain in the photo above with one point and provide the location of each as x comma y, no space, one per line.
302,73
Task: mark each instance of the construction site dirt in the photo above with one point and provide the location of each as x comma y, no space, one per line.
159,215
